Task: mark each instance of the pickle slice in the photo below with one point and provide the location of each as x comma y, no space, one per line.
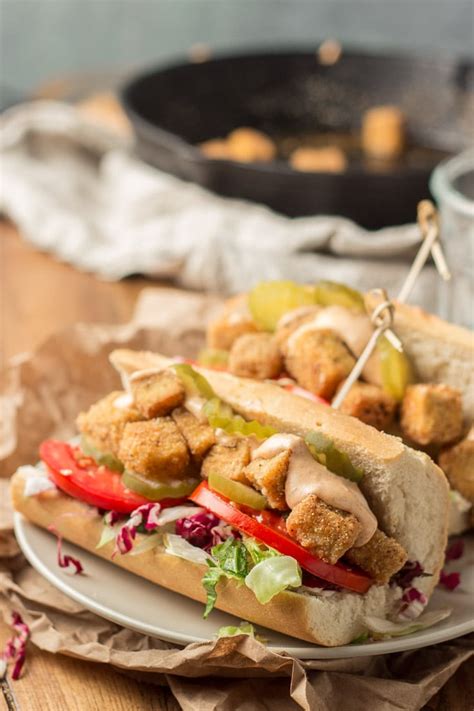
107,459
221,416
156,490
270,300
324,451
213,358
331,293
396,370
194,383
237,492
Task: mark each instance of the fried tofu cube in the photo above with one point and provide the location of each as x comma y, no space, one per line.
103,424
157,394
155,449
292,320
199,435
269,476
319,361
431,414
233,322
370,404
381,557
248,145
327,159
458,464
325,531
255,355
383,132
228,458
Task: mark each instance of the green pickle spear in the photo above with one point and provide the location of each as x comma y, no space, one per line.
107,459
221,416
157,490
270,300
326,453
331,293
213,358
396,371
194,383
237,492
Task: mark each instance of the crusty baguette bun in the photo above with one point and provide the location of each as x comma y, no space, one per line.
405,489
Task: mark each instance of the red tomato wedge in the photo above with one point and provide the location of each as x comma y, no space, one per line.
268,528
80,477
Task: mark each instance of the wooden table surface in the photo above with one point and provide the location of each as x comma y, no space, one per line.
39,296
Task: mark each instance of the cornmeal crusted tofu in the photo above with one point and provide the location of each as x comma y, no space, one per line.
269,476
234,321
381,557
458,465
325,531
103,424
158,393
370,404
431,414
255,355
199,435
228,458
293,320
319,361
155,449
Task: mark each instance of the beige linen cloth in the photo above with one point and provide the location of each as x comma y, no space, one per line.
77,191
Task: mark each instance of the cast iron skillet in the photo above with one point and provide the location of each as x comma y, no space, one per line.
176,107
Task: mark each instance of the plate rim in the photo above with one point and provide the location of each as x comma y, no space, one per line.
313,652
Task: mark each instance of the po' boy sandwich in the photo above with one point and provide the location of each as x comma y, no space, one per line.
243,496
309,337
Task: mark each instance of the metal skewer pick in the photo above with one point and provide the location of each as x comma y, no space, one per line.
382,314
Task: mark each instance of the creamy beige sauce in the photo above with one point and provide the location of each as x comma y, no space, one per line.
307,476
145,373
354,328
288,318
124,401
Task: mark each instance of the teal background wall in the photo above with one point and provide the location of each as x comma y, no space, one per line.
40,39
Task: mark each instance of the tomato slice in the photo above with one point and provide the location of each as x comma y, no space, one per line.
79,476
264,526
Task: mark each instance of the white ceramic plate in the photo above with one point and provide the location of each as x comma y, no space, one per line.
140,605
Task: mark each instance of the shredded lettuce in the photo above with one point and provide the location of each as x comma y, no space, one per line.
381,628
175,545
273,575
109,534
258,551
229,560
234,630
148,542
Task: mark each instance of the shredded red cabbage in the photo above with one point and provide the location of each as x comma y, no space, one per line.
65,561
112,517
450,581
15,648
204,530
414,595
144,518
406,575
455,550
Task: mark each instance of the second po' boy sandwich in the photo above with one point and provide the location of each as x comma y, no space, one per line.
312,335
243,496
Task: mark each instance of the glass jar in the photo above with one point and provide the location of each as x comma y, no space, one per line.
452,185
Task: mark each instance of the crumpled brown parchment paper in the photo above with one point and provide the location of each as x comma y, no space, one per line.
42,395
